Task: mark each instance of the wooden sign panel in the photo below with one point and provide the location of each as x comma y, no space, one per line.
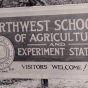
44,42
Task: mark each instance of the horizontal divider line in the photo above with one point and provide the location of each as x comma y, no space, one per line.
36,44
78,44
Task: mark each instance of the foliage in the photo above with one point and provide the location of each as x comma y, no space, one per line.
16,3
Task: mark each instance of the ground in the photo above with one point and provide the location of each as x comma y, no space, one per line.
36,83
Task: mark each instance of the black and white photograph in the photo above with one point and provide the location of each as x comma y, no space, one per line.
43,43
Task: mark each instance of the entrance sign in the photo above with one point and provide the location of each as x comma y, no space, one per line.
44,42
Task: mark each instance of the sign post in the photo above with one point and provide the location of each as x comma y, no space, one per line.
1,2
44,42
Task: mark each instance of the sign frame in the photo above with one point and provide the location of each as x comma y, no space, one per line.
39,11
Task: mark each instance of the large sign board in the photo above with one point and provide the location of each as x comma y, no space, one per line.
44,42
